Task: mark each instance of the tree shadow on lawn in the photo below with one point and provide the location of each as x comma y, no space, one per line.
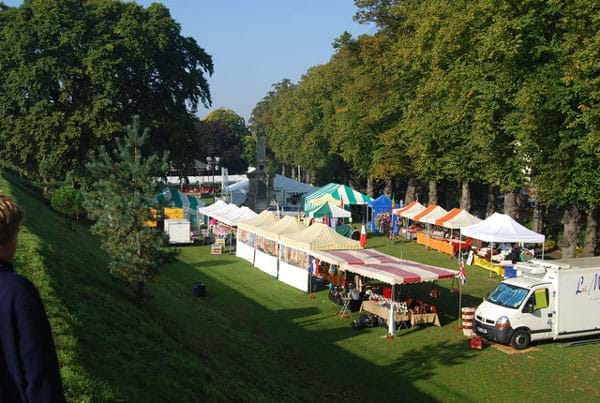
315,340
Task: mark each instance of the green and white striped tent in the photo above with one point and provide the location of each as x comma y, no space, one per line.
172,197
334,193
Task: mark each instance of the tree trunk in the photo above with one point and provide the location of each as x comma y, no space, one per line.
410,191
591,232
370,183
465,196
510,204
139,292
433,192
490,206
537,218
570,221
388,189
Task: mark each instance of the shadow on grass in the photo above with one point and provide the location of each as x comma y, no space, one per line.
312,339
240,343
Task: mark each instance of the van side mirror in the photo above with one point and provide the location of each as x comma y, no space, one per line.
529,307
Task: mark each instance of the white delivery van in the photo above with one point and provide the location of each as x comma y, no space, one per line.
178,230
554,299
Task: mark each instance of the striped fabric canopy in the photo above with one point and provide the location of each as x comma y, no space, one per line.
410,210
336,193
363,256
430,214
175,198
402,272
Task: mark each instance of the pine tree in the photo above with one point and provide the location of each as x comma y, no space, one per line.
118,201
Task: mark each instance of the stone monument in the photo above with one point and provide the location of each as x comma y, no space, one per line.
258,190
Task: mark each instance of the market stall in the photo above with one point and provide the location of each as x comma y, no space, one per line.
398,273
499,228
296,248
267,243
246,234
408,213
337,194
289,192
381,212
431,238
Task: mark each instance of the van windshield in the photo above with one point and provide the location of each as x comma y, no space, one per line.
508,295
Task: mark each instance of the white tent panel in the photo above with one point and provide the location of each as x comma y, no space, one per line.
293,275
501,228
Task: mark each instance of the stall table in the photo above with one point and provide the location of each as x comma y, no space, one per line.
415,319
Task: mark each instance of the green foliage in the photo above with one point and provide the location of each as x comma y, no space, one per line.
72,73
124,183
238,147
68,201
488,91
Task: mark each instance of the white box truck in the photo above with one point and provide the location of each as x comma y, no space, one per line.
554,299
178,230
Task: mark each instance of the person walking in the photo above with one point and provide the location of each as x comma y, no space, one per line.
29,370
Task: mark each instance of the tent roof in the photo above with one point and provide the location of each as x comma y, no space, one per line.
331,210
431,214
501,228
233,216
410,210
337,192
318,237
457,218
280,182
219,204
361,256
264,218
222,211
382,201
174,197
404,271
286,225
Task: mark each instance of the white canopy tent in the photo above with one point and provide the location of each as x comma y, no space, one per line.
267,243
410,210
294,255
246,234
502,228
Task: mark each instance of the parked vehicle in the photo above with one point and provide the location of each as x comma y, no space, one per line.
549,300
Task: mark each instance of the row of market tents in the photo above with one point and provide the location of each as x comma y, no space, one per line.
290,251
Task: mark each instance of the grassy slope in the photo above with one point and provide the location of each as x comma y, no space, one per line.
254,338
173,348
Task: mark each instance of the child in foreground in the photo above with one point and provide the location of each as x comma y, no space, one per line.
28,365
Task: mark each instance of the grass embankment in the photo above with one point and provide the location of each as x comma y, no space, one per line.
173,348
254,338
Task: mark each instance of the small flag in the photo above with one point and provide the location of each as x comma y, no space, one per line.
462,274
342,204
326,220
363,236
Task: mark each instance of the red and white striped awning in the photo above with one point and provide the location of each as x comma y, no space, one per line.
352,257
401,272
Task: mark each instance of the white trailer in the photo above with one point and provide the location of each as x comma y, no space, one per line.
549,300
178,230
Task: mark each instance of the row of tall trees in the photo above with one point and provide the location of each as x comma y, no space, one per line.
494,94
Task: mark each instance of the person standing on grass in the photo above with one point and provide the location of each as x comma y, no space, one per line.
28,364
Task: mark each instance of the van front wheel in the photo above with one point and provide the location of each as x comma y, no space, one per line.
520,339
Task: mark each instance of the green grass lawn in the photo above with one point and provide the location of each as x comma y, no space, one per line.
254,338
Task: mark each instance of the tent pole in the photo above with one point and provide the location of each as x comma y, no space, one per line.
460,261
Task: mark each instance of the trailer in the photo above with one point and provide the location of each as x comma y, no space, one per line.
178,230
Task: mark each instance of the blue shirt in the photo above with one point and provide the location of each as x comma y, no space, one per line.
29,369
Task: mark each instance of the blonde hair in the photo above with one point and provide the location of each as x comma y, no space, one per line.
11,217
